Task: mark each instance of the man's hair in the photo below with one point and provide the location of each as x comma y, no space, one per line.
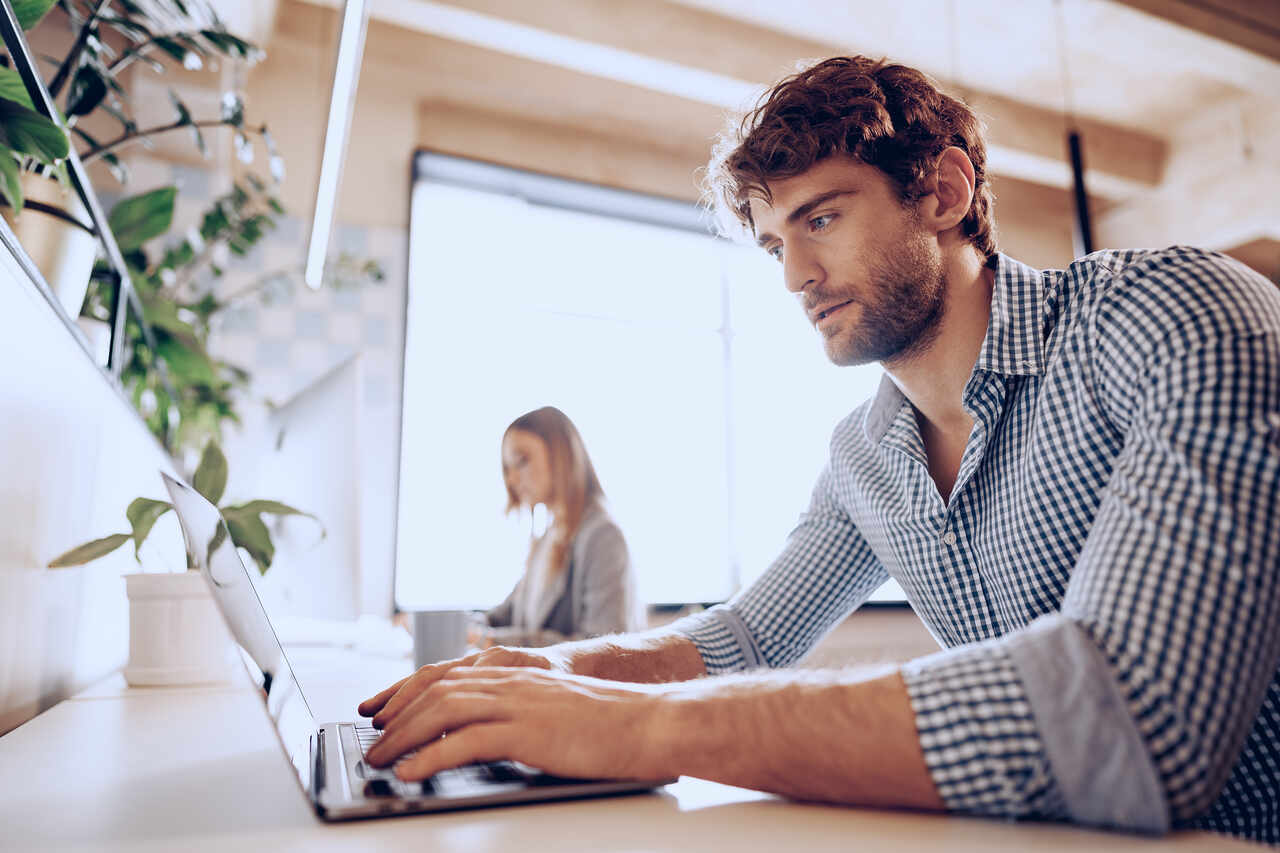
887,116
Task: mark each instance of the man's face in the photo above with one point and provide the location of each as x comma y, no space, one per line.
867,274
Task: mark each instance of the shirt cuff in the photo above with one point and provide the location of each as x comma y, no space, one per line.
1033,725
722,639
979,735
1100,761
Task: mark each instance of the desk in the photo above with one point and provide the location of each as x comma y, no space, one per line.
199,769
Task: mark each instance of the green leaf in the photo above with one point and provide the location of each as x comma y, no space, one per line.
27,131
184,114
10,185
219,536
136,30
175,49
118,170
12,87
29,12
162,314
136,261
142,515
210,479
190,364
90,551
233,46
248,532
275,508
139,218
201,145
87,91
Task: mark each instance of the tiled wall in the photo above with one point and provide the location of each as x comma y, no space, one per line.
301,334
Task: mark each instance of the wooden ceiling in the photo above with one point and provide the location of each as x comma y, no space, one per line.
1135,75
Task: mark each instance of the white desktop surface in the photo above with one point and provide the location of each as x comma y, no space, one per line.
199,769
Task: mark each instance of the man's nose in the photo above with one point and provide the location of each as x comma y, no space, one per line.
800,270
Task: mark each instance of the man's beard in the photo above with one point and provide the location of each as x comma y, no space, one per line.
900,312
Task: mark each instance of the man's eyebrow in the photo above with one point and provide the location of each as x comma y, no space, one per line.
805,209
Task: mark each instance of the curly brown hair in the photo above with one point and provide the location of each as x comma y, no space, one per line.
887,116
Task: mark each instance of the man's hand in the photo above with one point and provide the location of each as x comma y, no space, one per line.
387,705
565,724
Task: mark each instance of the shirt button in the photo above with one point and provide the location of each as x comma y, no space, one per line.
949,538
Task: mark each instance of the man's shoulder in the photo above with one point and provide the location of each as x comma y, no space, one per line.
1152,295
1177,260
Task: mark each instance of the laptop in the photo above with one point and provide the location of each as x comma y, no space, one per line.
328,758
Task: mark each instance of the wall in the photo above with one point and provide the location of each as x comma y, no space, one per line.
1219,189
72,455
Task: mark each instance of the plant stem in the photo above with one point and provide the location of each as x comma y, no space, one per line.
127,58
73,58
133,136
257,284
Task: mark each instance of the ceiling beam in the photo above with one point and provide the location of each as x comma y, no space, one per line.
1252,25
697,57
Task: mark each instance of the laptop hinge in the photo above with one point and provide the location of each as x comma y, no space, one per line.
317,763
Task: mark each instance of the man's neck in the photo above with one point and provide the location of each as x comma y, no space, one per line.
934,380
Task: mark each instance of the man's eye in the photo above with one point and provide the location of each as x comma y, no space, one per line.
775,252
820,222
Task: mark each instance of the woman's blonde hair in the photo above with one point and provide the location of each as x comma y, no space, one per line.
574,485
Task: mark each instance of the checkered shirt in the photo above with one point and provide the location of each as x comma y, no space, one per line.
1104,579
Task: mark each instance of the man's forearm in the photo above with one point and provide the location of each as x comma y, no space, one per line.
802,735
650,657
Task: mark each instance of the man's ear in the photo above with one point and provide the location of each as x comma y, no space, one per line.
953,188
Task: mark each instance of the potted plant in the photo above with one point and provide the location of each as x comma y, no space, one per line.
109,37
175,633
56,232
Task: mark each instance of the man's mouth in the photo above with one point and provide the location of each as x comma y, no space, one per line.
827,312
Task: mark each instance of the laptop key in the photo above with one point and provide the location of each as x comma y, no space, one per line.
500,771
378,788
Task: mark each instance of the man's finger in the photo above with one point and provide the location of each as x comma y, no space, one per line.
480,742
448,713
373,705
412,689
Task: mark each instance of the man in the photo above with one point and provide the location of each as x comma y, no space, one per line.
1075,476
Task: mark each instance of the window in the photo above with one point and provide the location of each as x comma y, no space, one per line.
701,393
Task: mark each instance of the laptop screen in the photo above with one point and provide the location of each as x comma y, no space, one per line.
210,546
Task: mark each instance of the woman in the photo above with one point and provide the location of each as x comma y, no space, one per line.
578,580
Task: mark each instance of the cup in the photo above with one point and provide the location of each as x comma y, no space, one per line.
439,635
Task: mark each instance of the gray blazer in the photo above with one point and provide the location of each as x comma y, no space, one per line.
595,594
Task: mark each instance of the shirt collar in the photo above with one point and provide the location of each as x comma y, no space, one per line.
1014,344
883,409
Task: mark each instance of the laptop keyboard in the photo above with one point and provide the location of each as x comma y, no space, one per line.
459,781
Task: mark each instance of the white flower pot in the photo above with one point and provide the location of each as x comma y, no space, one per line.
62,246
176,634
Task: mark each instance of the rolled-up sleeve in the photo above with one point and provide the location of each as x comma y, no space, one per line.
825,571
1130,706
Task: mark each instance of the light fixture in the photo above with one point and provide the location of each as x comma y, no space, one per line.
346,72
